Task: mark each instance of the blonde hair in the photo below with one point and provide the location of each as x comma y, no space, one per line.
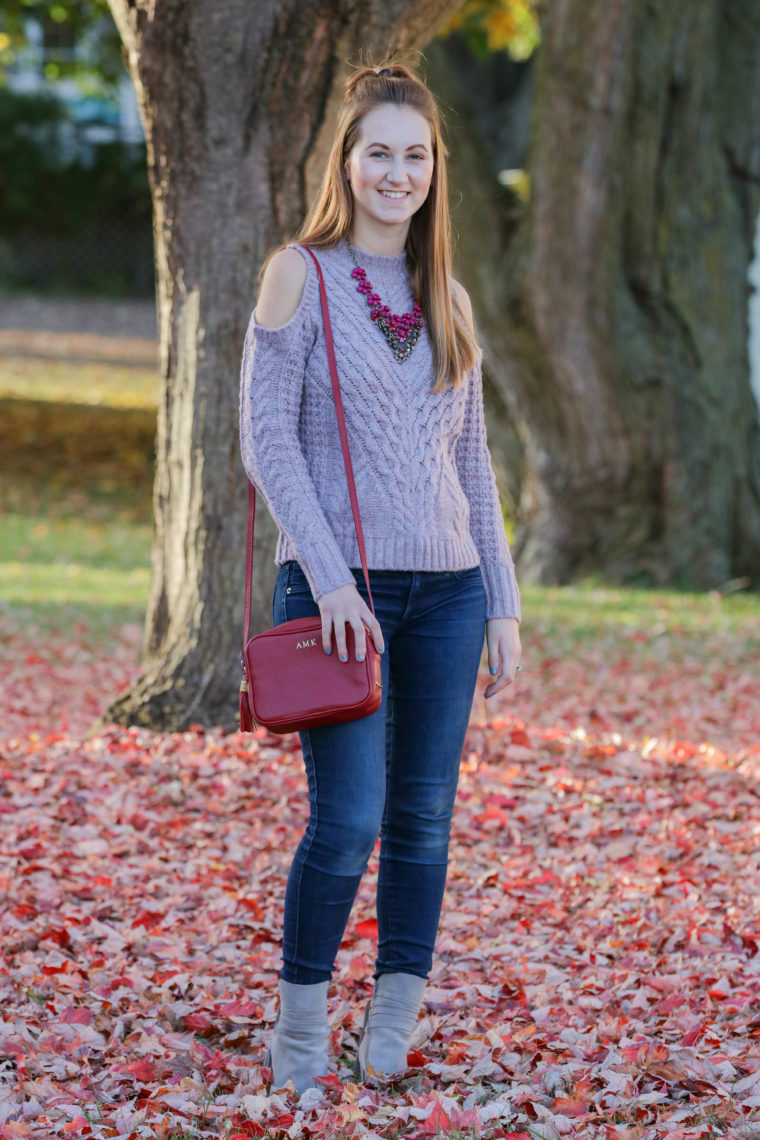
429,240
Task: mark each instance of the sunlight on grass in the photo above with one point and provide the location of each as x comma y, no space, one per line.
74,584
88,544
89,565
37,540
588,607
56,573
102,383
648,628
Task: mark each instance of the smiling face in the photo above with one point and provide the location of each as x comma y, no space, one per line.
390,167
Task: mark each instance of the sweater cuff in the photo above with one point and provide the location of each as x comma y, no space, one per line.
325,568
502,593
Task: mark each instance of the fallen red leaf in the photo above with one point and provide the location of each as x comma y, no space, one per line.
367,928
596,952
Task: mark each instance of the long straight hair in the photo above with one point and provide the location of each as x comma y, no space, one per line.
429,241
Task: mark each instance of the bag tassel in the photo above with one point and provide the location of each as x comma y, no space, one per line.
247,723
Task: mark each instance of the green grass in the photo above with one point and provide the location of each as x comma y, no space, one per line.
590,607
75,546
85,557
99,383
75,500
85,568
75,524
57,573
45,588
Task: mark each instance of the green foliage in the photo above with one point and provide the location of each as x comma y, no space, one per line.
29,154
40,190
97,65
498,25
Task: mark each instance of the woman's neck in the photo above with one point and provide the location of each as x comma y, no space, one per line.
388,241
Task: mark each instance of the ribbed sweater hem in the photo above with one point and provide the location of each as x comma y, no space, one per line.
324,571
425,480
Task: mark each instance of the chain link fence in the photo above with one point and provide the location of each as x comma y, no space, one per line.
111,258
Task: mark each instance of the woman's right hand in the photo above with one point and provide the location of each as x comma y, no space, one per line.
346,606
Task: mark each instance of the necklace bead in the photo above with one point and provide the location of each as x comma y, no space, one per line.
401,330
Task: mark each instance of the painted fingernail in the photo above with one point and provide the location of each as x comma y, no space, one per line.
344,657
329,650
494,670
359,656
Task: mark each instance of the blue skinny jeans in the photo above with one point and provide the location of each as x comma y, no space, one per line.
393,773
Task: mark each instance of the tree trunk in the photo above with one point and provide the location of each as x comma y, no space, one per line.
485,216
626,294
232,96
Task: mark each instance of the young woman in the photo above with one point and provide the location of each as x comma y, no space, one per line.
440,569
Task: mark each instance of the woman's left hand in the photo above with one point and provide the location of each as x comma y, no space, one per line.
503,640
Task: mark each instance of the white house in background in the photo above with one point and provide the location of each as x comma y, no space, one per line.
99,119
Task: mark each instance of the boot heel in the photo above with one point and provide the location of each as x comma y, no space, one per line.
268,1058
389,1021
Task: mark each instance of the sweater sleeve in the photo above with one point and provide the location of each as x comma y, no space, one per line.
478,482
271,385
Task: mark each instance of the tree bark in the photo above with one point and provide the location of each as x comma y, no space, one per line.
232,97
626,295
485,216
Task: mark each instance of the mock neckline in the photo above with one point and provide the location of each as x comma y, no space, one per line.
386,270
378,258
383,269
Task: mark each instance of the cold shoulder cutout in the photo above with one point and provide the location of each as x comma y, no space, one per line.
424,480
288,290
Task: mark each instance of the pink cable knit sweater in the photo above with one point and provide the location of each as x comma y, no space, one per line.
424,481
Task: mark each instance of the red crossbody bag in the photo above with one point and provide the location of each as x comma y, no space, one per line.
289,682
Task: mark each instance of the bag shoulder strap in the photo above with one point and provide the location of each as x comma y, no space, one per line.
346,461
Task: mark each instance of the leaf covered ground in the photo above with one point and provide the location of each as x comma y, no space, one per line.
597,969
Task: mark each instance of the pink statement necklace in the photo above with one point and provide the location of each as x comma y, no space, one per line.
402,330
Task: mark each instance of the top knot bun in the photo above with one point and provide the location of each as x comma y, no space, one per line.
377,80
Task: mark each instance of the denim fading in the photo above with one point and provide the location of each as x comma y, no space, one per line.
392,774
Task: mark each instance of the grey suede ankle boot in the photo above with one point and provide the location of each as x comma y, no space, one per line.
389,1022
298,1050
